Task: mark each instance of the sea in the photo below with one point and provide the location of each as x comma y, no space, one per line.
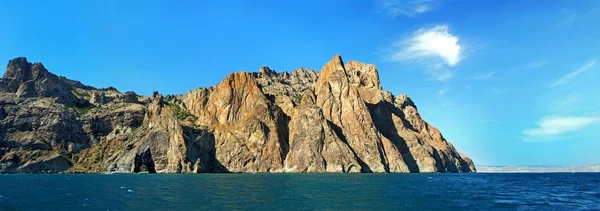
519,191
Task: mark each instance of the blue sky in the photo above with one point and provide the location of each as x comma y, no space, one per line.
507,82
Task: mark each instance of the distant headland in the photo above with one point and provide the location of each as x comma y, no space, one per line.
338,119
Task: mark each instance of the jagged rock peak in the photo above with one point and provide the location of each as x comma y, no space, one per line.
338,58
362,74
266,71
334,66
157,96
403,101
18,60
238,79
240,89
157,103
16,65
22,70
335,120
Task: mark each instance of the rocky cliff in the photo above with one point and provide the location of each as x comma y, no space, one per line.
335,120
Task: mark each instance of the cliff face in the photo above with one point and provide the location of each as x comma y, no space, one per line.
335,120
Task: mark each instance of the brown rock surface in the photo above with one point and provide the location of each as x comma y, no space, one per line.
314,146
336,120
348,113
248,129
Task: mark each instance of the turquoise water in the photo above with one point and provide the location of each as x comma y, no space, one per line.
301,192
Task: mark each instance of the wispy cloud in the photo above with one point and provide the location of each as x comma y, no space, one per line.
536,64
575,73
551,127
443,91
486,76
502,89
434,47
567,103
439,71
405,7
568,20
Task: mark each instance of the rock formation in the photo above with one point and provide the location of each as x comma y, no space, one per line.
335,120
143,159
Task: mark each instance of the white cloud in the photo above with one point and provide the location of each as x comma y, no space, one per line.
575,73
486,76
431,43
405,7
434,47
553,126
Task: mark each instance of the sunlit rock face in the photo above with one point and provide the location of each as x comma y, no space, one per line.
338,119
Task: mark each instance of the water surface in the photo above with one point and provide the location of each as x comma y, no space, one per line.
556,191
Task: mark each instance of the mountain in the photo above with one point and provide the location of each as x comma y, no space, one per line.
335,120
538,169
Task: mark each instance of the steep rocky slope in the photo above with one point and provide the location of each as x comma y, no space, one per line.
335,120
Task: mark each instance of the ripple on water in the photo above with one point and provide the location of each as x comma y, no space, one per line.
507,202
506,194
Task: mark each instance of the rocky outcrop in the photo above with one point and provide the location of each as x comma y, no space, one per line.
195,102
365,78
39,124
430,150
249,131
335,120
348,113
33,80
128,97
36,162
314,145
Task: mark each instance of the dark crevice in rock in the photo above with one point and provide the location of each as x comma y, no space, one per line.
143,159
340,134
381,114
201,150
283,132
438,160
382,156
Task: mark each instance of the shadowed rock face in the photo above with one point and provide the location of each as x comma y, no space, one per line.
335,120
143,159
314,145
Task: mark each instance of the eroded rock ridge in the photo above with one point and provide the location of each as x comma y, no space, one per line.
338,119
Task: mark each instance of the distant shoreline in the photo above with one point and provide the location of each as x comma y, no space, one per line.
539,169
